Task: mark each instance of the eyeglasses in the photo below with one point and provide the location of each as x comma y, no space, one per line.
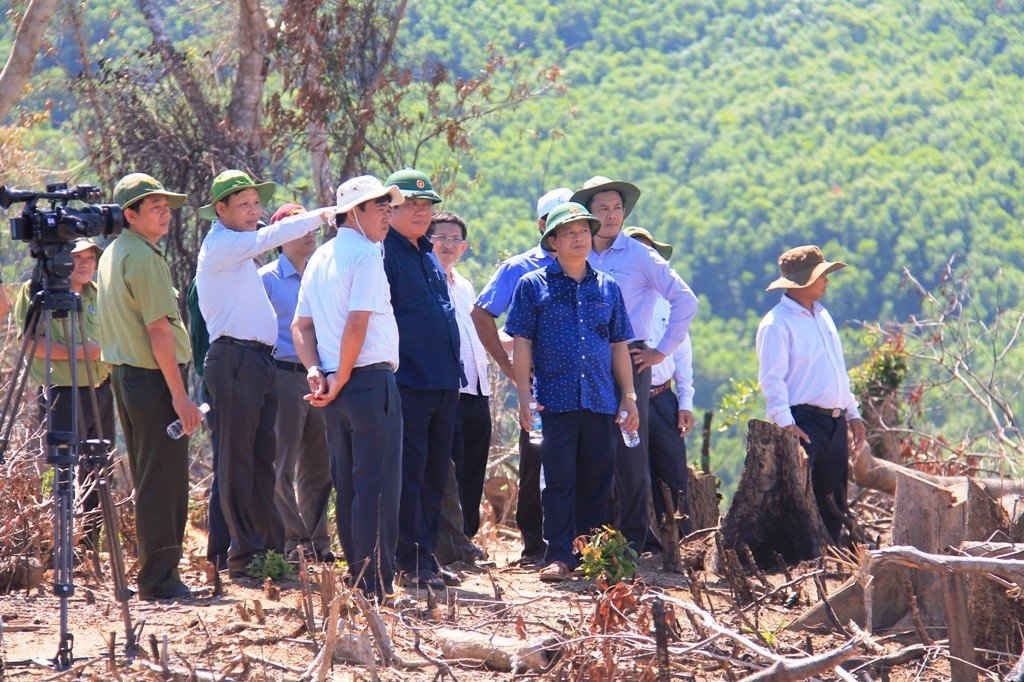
443,239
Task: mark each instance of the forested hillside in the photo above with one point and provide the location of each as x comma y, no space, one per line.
888,132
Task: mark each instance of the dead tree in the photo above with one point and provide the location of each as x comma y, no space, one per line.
774,509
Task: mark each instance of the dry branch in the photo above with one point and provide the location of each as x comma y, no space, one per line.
507,654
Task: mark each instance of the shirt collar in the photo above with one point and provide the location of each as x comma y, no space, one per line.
424,244
620,240
135,235
794,307
555,268
285,267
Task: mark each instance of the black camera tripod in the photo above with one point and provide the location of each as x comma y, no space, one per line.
65,451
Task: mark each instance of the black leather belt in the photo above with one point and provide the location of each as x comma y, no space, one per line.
290,366
375,366
834,412
246,343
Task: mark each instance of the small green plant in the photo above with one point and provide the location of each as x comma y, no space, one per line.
740,404
271,565
607,556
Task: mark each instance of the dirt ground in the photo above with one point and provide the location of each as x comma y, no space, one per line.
247,632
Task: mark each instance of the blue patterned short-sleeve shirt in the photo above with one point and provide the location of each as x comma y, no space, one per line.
571,326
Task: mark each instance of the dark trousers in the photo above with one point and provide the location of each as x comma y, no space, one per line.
579,465
529,512
90,425
633,474
241,381
364,438
828,453
302,469
668,455
159,467
428,418
218,539
470,448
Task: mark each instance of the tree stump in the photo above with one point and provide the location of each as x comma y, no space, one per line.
774,510
702,498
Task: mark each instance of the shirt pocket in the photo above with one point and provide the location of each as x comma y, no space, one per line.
599,316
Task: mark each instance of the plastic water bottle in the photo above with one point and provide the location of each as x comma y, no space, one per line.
630,438
176,430
536,426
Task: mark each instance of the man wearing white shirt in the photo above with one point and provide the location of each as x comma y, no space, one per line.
240,367
472,442
671,413
804,380
346,335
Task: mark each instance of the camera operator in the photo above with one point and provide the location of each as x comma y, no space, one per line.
145,340
85,254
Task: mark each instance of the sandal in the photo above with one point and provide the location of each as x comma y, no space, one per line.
555,572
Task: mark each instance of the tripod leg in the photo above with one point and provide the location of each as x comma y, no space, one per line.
63,556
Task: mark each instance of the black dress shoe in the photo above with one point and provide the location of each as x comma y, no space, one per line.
425,578
178,591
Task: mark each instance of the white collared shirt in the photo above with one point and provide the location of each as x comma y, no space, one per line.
471,350
231,293
800,360
347,274
679,365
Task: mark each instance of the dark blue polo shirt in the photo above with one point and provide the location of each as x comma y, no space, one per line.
572,326
428,335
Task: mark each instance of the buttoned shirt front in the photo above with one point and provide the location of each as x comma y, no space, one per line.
800,361
428,333
231,294
346,275
135,290
282,280
497,293
642,275
571,326
679,365
474,357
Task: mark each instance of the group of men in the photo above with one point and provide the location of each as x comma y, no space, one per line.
366,359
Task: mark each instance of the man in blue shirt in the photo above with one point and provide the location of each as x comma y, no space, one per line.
429,375
643,276
569,324
302,471
491,304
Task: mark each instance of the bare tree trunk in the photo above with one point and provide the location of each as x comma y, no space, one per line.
27,41
251,74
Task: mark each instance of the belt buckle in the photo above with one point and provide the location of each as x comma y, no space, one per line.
836,412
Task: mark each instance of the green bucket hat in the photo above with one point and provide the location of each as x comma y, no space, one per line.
663,249
413,185
229,182
567,213
134,187
599,183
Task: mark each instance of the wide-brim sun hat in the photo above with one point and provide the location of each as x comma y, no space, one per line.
599,183
229,182
664,249
134,187
802,266
355,191
566,213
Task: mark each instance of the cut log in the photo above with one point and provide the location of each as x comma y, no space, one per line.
506,654
774,510
702,498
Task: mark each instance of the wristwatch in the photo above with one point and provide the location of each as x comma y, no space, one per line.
631,395
313,371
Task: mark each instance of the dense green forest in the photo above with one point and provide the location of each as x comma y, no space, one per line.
889,133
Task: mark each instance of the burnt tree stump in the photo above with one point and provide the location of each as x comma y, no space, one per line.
774,510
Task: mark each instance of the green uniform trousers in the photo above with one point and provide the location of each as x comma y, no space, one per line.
159,467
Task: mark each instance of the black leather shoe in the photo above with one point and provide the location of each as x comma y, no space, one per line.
178,591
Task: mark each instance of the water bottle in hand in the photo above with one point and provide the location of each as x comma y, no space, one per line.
630,438
536,427
176,429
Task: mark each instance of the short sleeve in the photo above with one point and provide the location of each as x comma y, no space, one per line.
149,281
620,329
370,290
522,313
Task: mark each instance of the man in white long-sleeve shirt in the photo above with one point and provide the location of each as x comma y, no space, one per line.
804,380
240,365
671,411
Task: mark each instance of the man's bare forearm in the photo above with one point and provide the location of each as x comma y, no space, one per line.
487,330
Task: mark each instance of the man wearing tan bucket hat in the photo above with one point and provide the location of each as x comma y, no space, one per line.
804,380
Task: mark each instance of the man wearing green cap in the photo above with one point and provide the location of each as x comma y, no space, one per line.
240,366
144,339
429,374
643,276
69,392
569,325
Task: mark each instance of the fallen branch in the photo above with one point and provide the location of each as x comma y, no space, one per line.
911,557
507,654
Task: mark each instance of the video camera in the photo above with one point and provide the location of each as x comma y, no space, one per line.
61,224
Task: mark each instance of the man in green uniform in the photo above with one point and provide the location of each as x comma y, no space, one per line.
143,337
61,398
